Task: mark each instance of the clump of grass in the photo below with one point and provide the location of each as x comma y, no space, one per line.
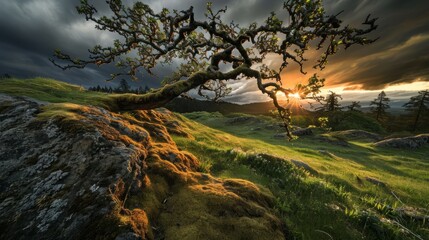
205,166
380,206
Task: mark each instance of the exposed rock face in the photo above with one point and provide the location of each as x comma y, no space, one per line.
302,132
93,174
406,142
56,183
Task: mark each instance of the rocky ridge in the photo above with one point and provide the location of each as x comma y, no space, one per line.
69,171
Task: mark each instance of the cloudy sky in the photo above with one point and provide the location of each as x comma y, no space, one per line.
398,62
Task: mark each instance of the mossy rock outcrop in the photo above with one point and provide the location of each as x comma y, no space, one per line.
69,171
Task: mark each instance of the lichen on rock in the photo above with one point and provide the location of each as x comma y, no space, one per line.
80,172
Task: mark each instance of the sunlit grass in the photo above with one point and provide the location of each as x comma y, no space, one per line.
395,167
52,91
403,171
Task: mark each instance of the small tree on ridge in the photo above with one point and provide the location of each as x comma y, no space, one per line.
331,102
419,106
381,104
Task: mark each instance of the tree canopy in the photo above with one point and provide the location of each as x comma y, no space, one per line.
203,46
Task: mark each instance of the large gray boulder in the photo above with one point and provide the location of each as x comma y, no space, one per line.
405,143
58,182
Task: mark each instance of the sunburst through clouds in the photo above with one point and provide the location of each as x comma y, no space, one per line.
293,101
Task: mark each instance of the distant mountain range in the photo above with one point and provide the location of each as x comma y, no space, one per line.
183,105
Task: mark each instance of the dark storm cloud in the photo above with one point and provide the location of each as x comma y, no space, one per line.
401,53
406,62
32,29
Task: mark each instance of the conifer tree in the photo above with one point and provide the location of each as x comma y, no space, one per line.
380,104
331,102
419,106
124,86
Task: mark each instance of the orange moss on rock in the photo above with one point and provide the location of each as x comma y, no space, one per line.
210,210
183,160
139,222
165,118
171,200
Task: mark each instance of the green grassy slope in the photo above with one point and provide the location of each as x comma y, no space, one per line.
339,197
336,203
406,171
53,91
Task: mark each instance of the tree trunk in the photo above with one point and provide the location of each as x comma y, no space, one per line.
160,97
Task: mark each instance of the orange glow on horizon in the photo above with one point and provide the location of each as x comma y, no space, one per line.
294,95
404,87
292,101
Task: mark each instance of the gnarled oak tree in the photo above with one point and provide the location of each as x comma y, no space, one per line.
149,38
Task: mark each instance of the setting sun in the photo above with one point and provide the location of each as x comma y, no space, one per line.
294,95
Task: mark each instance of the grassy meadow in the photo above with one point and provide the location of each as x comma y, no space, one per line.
338,196
351,190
